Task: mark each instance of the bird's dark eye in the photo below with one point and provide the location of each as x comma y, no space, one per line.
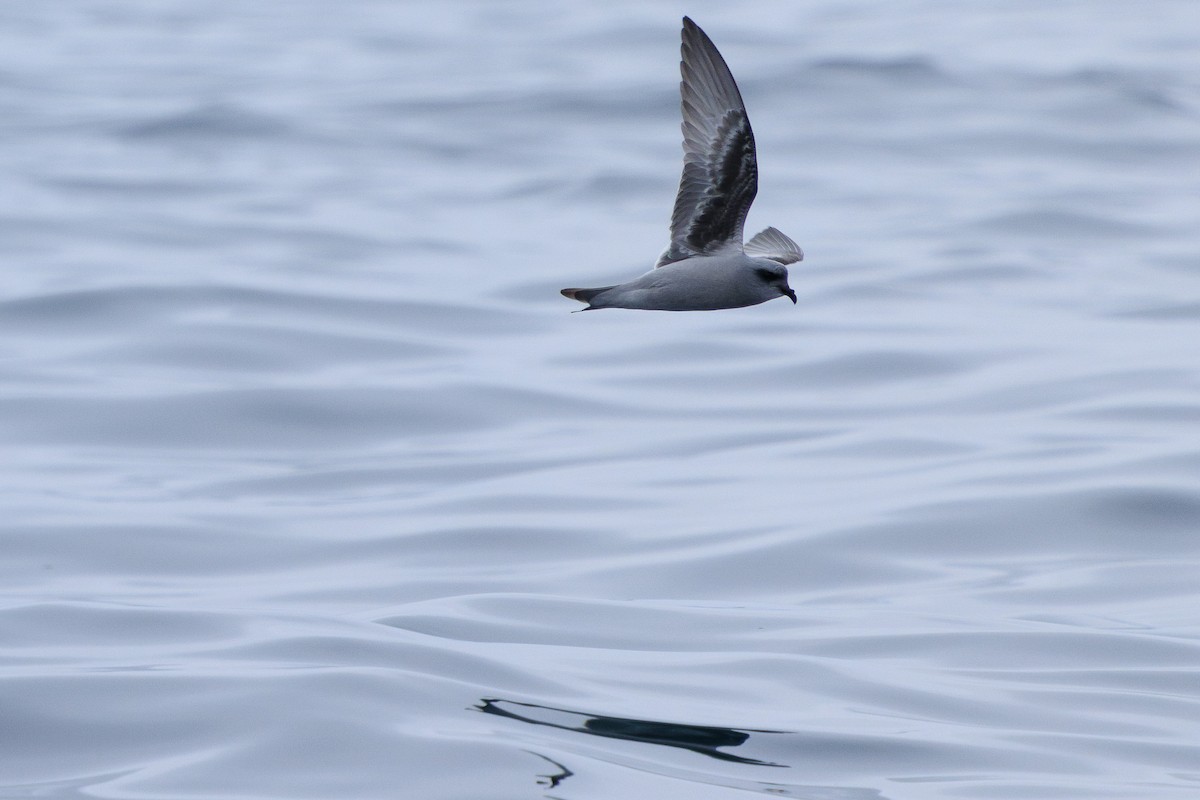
769,276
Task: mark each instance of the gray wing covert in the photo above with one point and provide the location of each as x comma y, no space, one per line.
776,245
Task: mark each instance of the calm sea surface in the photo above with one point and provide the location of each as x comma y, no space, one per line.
312,487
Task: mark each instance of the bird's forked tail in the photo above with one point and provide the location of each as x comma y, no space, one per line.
584,295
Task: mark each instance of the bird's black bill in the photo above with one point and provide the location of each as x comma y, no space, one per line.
789,293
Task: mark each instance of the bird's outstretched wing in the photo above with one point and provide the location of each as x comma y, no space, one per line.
720,169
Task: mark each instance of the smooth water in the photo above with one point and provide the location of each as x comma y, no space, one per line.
313,488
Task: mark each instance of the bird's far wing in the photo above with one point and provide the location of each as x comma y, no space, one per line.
775,245
720,170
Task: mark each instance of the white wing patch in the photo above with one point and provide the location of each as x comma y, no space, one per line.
775,245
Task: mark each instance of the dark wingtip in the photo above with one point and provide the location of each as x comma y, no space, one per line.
690,28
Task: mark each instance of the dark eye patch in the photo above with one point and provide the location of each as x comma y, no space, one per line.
767,275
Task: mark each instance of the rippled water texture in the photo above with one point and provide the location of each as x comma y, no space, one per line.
313,488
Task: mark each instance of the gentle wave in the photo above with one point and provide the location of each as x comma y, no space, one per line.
313,487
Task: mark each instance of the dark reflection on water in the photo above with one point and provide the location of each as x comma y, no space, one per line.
702,739
555,778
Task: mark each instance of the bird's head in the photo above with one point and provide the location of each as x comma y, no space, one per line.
775,278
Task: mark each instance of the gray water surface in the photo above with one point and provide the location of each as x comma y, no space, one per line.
313,488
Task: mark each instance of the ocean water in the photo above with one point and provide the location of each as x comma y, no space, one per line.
312,487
